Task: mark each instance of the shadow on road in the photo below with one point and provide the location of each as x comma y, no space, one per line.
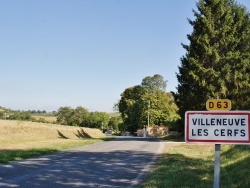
79,168
135,138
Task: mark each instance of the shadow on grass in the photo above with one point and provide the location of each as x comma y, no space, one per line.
82,134
61,135
109,138
179,137
13,155
236,163
177,170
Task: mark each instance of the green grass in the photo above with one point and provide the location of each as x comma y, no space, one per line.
185,165
178,137
8,155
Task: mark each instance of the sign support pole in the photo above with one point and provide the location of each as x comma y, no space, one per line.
195,133
217,166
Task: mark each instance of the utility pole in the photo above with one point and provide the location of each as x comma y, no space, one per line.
148,111
146,126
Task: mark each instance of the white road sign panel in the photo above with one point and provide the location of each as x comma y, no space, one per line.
231,127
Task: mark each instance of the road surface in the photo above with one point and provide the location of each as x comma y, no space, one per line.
123,162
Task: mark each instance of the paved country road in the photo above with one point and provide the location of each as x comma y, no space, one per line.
123,162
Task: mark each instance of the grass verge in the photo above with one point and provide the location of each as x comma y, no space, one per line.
186,165
21,140
37,149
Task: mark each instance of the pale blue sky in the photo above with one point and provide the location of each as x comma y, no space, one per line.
57,53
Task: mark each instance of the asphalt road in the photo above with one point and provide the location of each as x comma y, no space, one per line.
123,162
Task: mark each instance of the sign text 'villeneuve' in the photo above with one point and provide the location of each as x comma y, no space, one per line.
217,127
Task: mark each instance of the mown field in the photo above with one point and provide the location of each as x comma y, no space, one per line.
21,139
50,119
192,165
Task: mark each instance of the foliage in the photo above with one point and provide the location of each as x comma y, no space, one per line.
131,107
139,101
1,115
20,116
155,82
217,60
114,123
37,111
64,115
73,117
98,120
79,115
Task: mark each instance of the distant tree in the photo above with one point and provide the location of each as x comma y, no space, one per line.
137,101
217,60
114,123
20,115
155,82
78,116
131,107
72,117
64,115
1,115
54,113
97,120
122,127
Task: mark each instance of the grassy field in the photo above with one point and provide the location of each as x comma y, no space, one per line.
189,165
50,119
20,139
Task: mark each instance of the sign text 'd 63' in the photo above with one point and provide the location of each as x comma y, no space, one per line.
218,104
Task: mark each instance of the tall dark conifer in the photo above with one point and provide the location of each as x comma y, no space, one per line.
217,60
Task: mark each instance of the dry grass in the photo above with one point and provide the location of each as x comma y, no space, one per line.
26,135
22,140
50,119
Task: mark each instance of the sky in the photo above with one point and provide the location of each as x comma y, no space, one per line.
56,53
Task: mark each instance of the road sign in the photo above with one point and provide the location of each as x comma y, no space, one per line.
228,127
218,104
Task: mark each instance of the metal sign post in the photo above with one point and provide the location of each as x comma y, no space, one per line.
217,166
217,126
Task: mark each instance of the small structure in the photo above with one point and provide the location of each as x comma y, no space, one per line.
140,132
125,134
154,131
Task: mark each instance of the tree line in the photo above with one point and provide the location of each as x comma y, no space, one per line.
80,116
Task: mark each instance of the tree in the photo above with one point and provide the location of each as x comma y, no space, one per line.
72,117
137,101
20,115
217,60
79,115
1,115
114,123
64,115
97,120
131,107
155,82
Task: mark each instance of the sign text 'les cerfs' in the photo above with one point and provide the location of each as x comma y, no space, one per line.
230,127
